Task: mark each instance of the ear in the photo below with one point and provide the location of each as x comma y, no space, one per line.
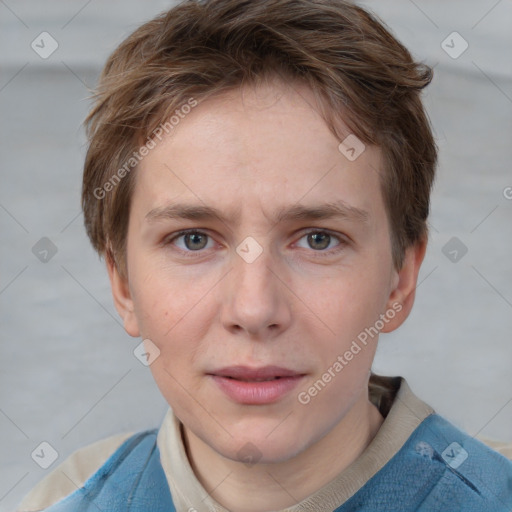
122,297
403,292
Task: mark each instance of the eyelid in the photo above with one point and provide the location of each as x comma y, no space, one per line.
342,239
168,240
307,231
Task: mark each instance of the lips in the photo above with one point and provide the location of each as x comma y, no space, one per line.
256,386
245,373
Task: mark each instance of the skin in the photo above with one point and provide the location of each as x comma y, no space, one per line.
299,305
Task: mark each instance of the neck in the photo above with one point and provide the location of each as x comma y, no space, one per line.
289,482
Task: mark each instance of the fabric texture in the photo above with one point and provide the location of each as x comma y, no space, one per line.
132,480
72,473
440,469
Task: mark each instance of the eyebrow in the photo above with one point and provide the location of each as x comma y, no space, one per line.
337,209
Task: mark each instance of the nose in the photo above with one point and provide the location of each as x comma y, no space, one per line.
256,301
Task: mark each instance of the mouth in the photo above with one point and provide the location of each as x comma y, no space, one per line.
256,386
252,380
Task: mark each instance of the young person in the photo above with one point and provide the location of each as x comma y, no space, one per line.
258,179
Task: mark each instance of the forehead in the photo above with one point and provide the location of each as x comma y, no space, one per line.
264,147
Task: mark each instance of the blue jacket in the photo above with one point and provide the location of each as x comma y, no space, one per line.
439,468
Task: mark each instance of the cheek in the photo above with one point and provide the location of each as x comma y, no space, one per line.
175,312
166,297
349,302
172,315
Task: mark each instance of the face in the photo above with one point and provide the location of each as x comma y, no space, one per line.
257,253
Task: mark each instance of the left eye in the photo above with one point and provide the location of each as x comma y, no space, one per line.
192,241
320,240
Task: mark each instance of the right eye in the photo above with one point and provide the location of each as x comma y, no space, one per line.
190,240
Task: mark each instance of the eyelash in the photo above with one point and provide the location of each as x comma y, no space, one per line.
342,242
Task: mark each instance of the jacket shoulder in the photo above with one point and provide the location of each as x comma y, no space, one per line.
131,478
73,472
439,469
476,477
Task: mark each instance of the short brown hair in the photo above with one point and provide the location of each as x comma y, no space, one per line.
352,63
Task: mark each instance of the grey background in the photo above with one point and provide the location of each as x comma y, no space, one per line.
68,373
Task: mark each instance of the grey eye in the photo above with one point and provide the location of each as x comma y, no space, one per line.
319,240
193,241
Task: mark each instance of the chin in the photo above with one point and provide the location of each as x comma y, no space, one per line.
259,448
